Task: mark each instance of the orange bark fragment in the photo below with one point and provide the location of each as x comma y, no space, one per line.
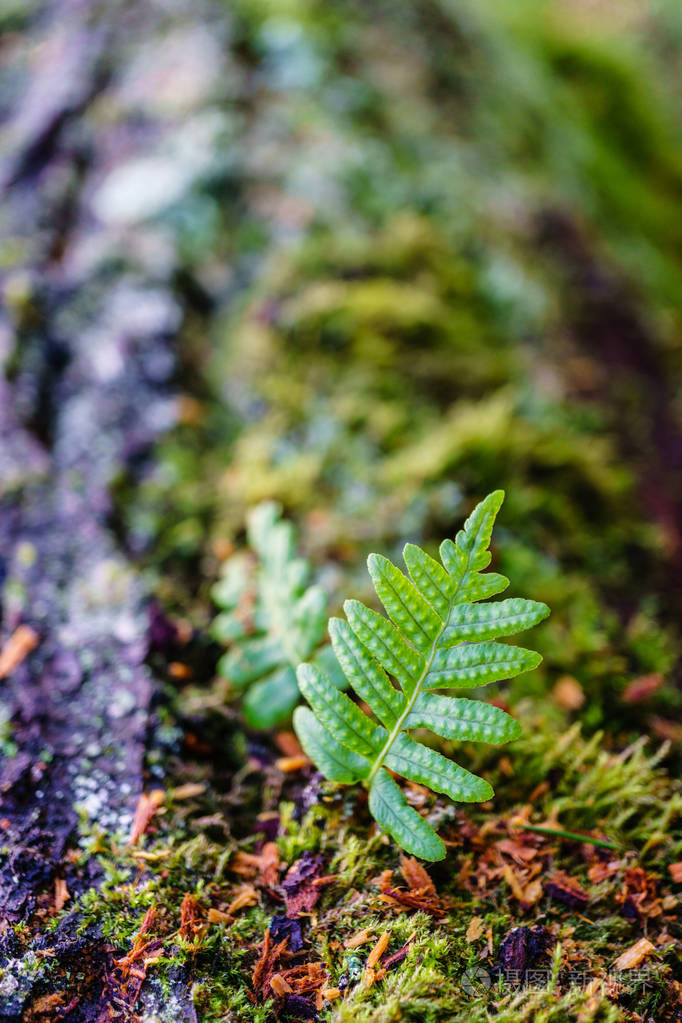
568,693
378,950
634,955
130,972
676,872
416,876
61,894
189,790
595,994
532,892
361,938
245,864
288,744
191,922
639,893
245,896
279,985
139,946
306,977
643,688
216,916
261,964
17,648
264,866
422,894
395,957
519,851
513,882
44,1008
147,806
290,764
265,968
538,791
475,928
176,669
269,865
665,728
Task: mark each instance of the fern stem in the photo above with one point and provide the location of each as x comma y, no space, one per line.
397,728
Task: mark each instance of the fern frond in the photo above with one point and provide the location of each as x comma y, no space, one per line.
271,619
436,637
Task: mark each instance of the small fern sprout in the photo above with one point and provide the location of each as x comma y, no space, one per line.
439,636
271,620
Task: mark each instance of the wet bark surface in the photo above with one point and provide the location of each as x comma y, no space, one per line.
87,389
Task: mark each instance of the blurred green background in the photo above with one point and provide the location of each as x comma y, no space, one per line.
433,249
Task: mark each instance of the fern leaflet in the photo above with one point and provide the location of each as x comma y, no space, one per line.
271,619
437,637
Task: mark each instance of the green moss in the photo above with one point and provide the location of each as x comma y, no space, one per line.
623,794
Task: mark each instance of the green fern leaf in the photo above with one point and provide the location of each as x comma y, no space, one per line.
389,808
271,620
335,762
437,636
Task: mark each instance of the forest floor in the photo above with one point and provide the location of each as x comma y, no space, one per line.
371,263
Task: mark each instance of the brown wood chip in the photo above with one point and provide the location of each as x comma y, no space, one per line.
191,918
568,693
513,882
643,688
